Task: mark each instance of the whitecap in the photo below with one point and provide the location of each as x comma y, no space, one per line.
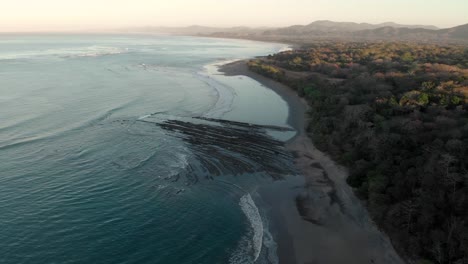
73,52
251,212
242,255
287,48
143,117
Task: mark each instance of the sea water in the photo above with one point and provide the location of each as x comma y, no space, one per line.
82,181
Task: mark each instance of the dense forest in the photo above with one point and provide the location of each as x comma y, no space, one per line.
396,114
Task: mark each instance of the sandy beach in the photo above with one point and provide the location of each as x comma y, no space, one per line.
317,215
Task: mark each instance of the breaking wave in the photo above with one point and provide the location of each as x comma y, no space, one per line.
254,244
287,48
79,52
223,93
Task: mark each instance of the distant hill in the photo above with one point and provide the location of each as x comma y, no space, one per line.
383,31
395,25
460,32
455,33
326,26
396,33
326,30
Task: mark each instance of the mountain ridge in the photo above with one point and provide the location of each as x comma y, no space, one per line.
325,29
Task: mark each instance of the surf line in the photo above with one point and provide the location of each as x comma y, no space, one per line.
250,210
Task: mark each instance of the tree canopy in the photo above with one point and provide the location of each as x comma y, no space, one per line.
396,114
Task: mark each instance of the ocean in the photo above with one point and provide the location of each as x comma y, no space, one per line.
99,162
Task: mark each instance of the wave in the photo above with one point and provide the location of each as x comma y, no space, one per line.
224,93
286,48
143,117
161,114
270,244
242,255
79,52
258,245
93,51
251,212
93,121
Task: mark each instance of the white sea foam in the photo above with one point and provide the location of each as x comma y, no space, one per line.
182,160
287,48
270,244
143,117
258,244
90,51
243,253
251,212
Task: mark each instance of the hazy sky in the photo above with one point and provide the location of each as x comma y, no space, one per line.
42,15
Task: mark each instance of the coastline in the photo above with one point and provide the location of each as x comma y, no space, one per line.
318,217
297,105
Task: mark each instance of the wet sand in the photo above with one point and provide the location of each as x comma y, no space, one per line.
317,217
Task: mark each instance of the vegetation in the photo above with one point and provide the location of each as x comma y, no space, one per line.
396,114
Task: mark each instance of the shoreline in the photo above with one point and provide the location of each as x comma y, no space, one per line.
297,106
318,217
